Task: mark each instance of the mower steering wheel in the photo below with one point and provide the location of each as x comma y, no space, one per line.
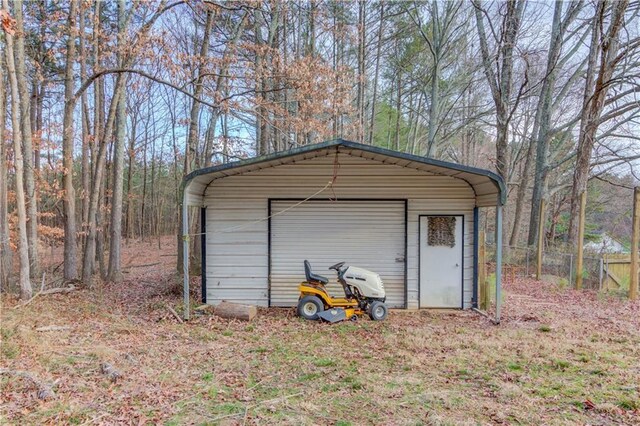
337,266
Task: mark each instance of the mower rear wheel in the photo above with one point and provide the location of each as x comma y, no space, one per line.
377,311
309,307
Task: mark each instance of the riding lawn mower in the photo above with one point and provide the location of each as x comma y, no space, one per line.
364,293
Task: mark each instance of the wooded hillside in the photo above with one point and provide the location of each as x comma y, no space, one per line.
106,105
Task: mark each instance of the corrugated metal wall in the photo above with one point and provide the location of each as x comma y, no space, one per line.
237,258
367,234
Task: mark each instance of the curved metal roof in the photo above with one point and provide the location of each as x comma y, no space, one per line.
489,187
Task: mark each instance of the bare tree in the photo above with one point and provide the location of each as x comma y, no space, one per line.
27,145
374,97
23,244
69,195
441,36
361,82
500,78
89,256
192,137
603,58
115,273
5,248
541,132
88,135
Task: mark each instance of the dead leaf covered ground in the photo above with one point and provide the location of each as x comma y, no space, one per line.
559,357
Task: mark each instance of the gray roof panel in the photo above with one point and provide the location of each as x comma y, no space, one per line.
485,183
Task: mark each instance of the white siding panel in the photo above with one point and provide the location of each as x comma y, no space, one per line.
367,234
237,256
234,203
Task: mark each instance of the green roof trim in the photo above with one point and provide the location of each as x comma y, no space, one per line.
353,145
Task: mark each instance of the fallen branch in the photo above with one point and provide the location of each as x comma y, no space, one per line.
44,390
486,315
35,295
283,398
56,268
59,290
248,407
175,314
53,328
141,266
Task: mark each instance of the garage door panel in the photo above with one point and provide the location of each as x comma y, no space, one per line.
367,234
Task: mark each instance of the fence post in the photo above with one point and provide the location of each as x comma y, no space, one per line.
580,260
571,269
499,242
540,240
607,272
601,273
635,237
482,271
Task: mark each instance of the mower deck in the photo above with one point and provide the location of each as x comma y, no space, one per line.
350,306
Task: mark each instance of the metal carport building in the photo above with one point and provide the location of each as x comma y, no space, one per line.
412,219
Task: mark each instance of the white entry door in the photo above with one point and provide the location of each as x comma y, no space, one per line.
441,242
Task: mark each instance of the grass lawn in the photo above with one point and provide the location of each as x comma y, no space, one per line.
559,357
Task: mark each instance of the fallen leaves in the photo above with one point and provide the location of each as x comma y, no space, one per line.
559,355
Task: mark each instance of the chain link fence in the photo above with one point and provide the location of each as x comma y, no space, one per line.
557,266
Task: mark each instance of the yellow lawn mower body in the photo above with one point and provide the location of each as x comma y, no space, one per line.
364,293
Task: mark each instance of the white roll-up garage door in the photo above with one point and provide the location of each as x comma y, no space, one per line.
367,234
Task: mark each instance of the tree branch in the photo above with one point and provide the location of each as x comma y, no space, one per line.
99,74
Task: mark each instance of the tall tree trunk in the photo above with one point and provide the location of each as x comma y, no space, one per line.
374,97
522,191
132,159
103,208
25,124
143,199
605,45
69,197
98,119
35,111
413,138
542,125
86,126
262,146
396,137
362,39
152,216
500,79
209,138
115,242
5,249
192,137
434,106
23,244
88,263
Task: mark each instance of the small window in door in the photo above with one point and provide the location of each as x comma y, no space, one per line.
442,231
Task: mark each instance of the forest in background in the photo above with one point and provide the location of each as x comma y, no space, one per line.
105,107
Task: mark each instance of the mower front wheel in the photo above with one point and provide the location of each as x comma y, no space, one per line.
377,311
309,307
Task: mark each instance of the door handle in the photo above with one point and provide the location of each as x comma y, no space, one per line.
399,259
457,265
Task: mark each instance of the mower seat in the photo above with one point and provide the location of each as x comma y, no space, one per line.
311,277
